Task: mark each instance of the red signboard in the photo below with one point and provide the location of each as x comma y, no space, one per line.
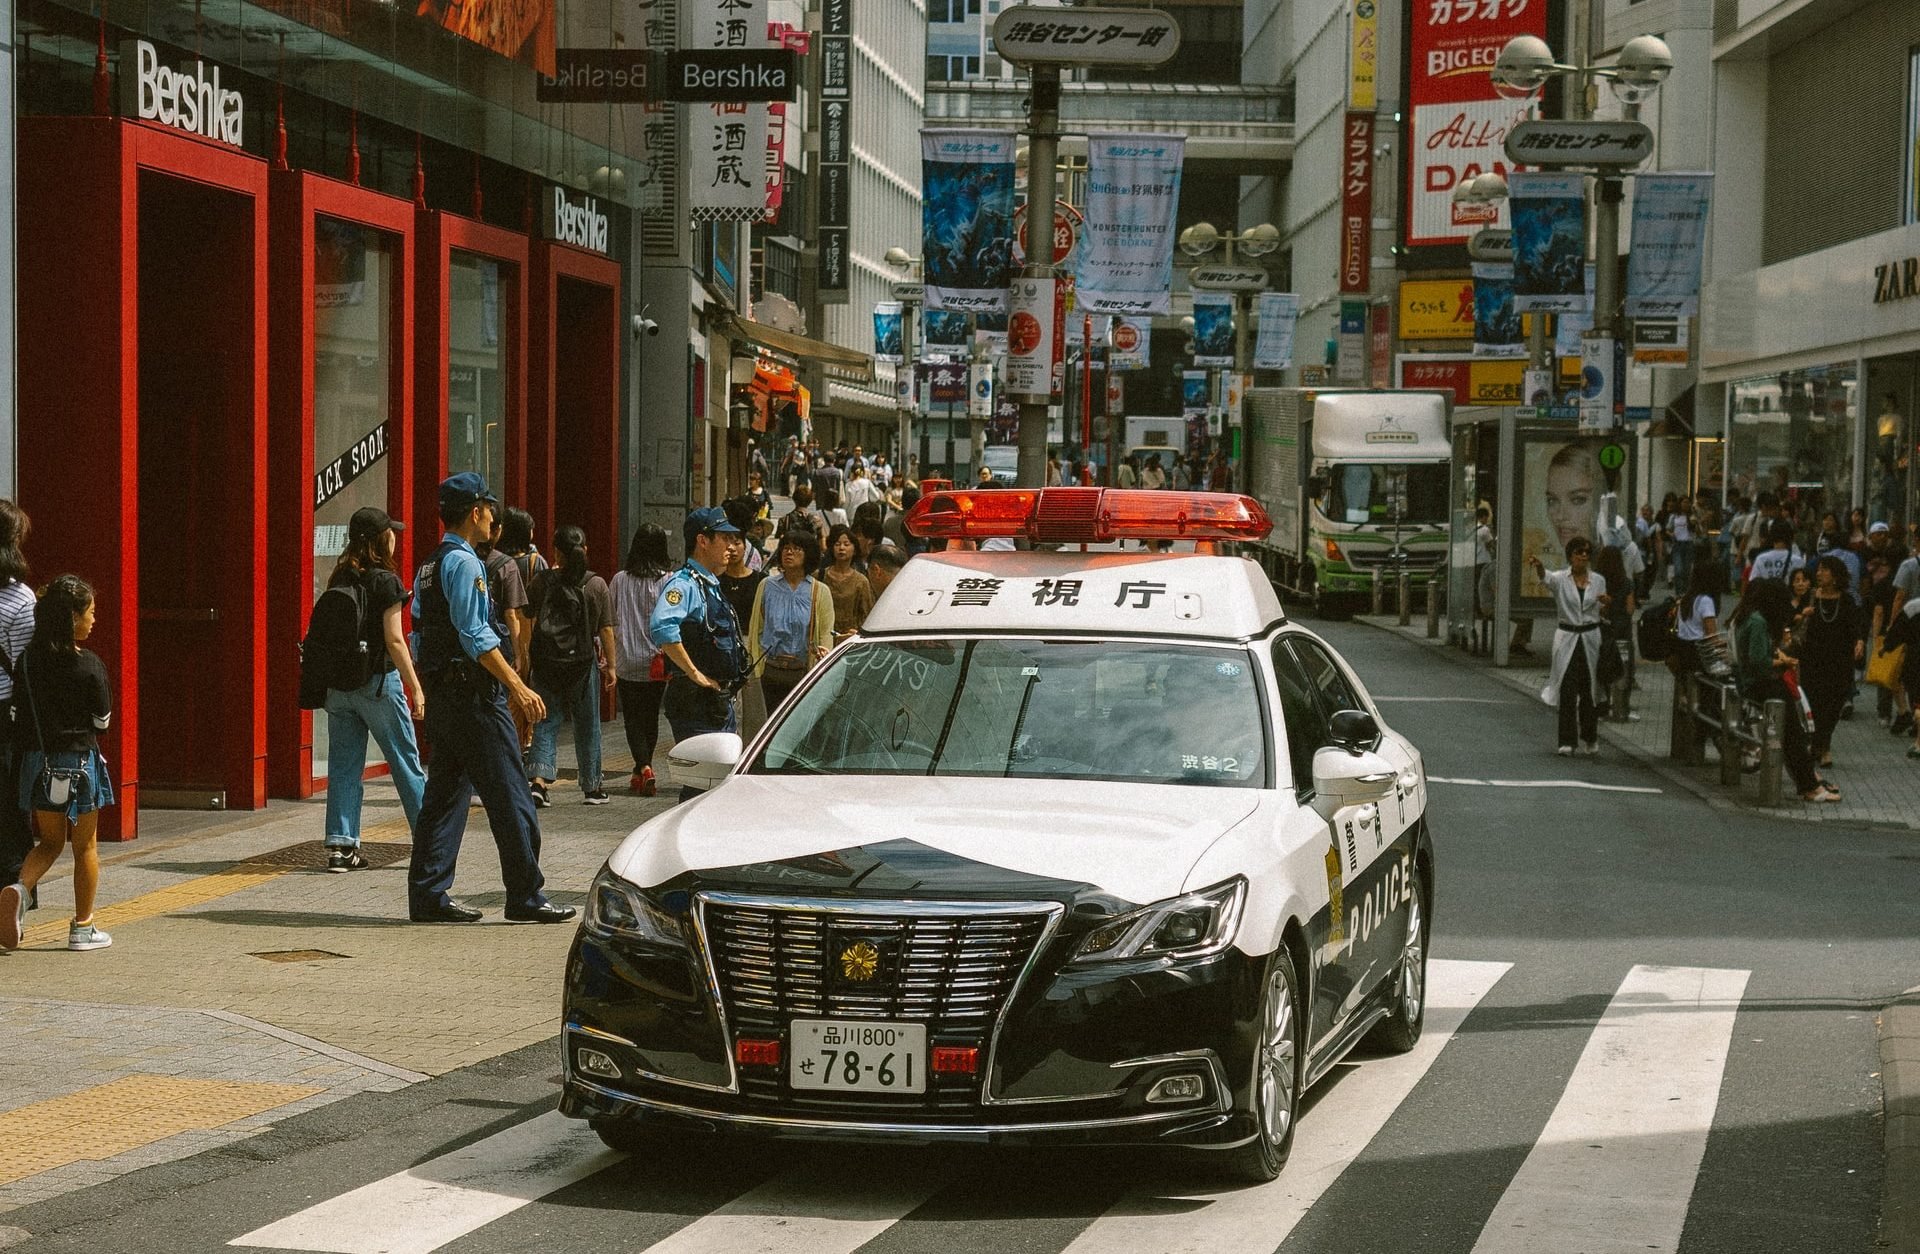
1456,375
1356,203
1459,120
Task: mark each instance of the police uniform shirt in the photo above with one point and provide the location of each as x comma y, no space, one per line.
683,596
464,580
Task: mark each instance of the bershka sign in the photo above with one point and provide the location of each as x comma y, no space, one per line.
583,225
1459,121
731,75
191,100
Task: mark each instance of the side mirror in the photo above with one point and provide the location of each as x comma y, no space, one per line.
1316,487
1345,777
1354,730
703,761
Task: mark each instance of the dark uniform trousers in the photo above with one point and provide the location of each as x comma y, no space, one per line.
475,749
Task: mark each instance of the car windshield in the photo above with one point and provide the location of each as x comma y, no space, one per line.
1376,494
1030,709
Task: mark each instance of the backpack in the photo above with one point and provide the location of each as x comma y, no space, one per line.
1658,632
336,652
562,643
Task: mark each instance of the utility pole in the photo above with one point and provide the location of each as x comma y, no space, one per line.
1043,149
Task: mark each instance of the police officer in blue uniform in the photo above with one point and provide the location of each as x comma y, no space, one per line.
697,631
469,686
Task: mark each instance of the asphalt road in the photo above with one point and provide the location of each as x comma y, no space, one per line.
1554,1106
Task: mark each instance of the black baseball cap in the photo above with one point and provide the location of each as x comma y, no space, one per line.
370,521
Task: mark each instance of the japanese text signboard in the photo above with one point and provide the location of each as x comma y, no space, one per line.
1028,34
1356,204
1459,120
727,142
1612,145
835,245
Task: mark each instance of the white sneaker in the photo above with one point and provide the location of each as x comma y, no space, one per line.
1565,751
1593,748
86,936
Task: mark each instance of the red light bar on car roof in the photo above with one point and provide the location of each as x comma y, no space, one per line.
1088,515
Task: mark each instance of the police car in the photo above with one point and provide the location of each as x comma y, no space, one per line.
1064,846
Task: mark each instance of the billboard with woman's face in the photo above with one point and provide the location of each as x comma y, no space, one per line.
1561,484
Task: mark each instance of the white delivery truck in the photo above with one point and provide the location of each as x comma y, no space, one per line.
1356,482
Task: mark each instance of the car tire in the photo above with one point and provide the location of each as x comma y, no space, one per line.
1407,1013
1278,1064
629,1136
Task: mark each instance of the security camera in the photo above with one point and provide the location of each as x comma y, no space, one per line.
643,325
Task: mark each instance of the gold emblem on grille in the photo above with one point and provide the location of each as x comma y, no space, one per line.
860,961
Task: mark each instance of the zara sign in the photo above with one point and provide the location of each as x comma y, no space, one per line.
190,99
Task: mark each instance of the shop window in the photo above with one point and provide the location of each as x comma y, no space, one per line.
352,393
476,370
1910,174
1792,436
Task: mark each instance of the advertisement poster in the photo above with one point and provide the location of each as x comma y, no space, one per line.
967,219
1363,56
980,390
886,331
1599,384
1570,328
1356,203
1436,309
726,144
1497,329
1129,343
1193,393
1669,234
1549,241
943,333
521,30
1561,484
1076,329
1133,194
1212,329
1459,123
1273,346
1031,334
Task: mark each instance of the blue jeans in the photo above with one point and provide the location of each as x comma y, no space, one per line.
1682,564
380,708
581,703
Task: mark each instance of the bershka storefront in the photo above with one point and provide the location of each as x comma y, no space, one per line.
1818,362
246,312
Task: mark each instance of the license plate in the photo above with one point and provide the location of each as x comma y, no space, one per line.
857,1056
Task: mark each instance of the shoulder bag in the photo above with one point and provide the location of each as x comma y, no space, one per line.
56,782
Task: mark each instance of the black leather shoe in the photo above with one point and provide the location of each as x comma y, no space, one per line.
545,912
447,912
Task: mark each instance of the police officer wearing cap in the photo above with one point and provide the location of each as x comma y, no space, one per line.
698,633
470,685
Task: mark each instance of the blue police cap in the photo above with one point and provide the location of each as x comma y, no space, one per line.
465,490
711,518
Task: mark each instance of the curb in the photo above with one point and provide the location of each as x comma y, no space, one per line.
1900,1081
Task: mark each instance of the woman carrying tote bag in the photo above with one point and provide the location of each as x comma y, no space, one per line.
792,623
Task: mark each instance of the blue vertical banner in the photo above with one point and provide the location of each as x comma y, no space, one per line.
887,331
1549,214
1273,345
1133,197
1212,329
1497,327
966,180
943,333
1669,239
1193,393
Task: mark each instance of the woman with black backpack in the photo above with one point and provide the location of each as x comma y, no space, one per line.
63,706
572,612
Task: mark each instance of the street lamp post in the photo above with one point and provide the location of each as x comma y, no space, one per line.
911,296
1199,240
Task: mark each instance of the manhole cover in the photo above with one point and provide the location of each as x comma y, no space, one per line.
311,855
298,955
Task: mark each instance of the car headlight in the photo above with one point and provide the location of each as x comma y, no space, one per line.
1197,925
617,908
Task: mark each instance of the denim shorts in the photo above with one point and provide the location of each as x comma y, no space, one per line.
92,790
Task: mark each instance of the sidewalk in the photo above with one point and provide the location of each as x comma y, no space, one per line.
246,984
1871,770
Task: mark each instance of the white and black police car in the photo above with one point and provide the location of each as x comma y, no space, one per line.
1063,847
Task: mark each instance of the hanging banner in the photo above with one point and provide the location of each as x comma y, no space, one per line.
1076,330
1497,329
1568,328
980,390
1193,393
1459,121
1669,236
1129,343
726,144
943,333
1032,332
1549,240
1212,329
1356,203
966,179
1363,56
1133,195
887,331
1273,346
1598,382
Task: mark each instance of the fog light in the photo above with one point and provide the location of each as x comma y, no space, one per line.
955,1060
593,1062
1177,1088
752,1053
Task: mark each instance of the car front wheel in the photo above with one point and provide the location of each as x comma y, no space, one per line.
1274,1095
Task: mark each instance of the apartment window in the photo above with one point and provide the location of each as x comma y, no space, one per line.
1910,176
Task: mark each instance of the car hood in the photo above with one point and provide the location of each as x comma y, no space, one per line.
921,837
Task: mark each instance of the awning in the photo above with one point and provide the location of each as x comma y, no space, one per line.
800,348
1677,418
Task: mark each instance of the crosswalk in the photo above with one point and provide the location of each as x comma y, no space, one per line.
1612,1170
